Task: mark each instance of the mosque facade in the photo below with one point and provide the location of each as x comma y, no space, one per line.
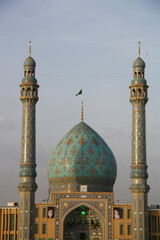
81,172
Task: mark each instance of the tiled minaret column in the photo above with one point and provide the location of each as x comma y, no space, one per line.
139,187
27,185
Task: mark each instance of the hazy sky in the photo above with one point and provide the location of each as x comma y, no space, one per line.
88,44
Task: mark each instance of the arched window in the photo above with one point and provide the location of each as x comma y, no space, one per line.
32,74
139,74
139,92
37,212
144,93
135,75
29,73
25,73
142,74
34,92
129,213
44,230
23,92
44,212
129,229
121,229
133,93
36,228
28,92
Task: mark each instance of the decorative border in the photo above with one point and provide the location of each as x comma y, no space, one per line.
66,202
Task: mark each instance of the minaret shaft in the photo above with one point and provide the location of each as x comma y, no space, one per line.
28,133
26,215
138,133
27,185
139,187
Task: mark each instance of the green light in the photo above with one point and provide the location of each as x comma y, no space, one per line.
83,213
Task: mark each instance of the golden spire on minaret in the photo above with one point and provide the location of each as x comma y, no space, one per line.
29,48
82,110
139,50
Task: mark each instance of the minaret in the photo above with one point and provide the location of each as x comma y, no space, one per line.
27,185
139,187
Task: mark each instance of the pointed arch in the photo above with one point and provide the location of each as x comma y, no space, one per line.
29,91
23,92
133,93
79,205
135,74
139,74
92,221
139,92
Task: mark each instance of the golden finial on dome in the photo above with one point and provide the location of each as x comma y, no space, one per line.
29,48
82,110
139,50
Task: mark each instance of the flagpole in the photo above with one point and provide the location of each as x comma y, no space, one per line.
81,108
80,93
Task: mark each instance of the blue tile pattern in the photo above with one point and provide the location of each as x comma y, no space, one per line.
82,157
27,185
139,175
139,63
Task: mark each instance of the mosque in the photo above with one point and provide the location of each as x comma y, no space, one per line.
81,171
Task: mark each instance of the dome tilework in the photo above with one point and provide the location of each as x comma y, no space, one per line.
29,80
82,157
139,63
29,62
139,81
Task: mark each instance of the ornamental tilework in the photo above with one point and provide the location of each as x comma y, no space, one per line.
59,152
28,134
90,151
27,185
82,156
139,63
74,151
139,188
64,204
140,219
92,170
73,204
73,170
138,136
69,141
57,171
94,141
82,141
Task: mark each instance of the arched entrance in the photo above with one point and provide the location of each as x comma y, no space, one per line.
83,223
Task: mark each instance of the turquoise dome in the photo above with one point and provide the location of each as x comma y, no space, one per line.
29,62
82,158
139,63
